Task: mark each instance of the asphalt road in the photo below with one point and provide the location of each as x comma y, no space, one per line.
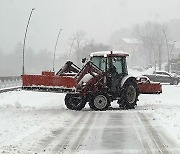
112,132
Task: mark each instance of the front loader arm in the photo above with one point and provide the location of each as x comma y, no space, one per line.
88,68
68,68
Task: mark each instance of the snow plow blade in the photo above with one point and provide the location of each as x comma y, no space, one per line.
150,88
145,86
48,81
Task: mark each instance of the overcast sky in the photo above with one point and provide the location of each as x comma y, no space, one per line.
98,18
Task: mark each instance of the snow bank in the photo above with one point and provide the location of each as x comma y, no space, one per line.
29,99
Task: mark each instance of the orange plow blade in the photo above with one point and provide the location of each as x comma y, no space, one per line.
48,81
145,86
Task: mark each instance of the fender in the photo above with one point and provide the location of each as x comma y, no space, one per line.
126,78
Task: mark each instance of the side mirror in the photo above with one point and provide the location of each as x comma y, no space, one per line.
84,60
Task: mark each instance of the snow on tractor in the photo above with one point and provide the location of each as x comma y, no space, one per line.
101,80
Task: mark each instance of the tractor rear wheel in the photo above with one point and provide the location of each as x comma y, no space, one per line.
130,95
99,102
74,102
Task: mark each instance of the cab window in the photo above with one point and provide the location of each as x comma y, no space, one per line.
119,63
100,62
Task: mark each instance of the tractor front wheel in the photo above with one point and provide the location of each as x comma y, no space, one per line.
99,102
74,102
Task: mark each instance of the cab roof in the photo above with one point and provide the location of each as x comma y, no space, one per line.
109,54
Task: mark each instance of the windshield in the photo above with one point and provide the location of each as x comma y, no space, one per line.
100,62
119,63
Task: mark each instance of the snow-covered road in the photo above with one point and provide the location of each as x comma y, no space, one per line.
37,122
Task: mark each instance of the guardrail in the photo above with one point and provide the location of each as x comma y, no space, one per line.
10,81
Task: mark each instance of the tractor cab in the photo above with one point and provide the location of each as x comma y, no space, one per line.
112,63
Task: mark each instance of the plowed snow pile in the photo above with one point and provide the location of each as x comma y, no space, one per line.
28,99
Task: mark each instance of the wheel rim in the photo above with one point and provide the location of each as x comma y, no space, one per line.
131,94
100,102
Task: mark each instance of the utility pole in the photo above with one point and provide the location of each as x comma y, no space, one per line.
23,71
55,48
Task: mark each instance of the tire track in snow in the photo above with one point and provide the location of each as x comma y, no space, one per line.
69,133
75,136
56,135
161,147
141,135
83,132
60,138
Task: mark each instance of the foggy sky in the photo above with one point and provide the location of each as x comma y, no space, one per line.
98,18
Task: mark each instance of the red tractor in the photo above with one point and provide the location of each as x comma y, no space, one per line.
102,80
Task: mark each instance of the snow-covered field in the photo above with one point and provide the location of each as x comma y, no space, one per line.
26,117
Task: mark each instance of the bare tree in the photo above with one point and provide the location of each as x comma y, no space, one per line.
151,34
92,46
79,42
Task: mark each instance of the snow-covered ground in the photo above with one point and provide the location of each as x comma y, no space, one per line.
27,117
31,100
165,109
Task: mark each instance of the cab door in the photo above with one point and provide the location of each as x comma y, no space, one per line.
116,70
